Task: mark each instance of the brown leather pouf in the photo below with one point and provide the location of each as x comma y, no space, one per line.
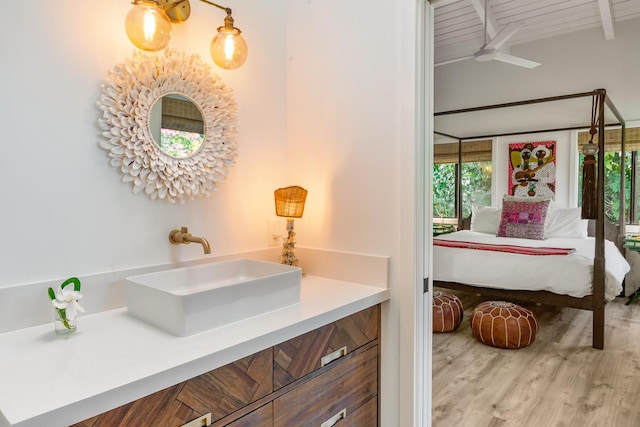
503,324
447,312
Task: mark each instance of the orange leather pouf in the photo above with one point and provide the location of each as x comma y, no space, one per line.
503,324
447,312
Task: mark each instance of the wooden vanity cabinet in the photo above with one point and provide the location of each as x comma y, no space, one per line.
334,395
285,385
159,409
297,357
261,417
220,392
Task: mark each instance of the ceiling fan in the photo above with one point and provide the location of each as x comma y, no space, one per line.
489,51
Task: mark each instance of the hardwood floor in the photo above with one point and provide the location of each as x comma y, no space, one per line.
560,380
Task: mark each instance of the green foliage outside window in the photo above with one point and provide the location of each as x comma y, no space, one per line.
476,188
444,190
612,185
179,143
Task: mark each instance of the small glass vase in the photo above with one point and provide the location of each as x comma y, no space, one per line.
62,327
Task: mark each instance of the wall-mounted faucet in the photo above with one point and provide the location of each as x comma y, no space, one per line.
182,235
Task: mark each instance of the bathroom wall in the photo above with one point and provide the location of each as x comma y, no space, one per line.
350,110
326,100
64,210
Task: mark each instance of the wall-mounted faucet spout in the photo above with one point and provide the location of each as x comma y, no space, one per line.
182,235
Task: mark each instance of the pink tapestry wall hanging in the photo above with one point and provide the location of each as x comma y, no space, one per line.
532,169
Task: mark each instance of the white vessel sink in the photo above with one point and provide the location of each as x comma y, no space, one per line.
185,301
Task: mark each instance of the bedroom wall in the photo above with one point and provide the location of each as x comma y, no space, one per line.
577,62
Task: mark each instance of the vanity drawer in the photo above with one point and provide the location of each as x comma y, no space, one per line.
160,409
230,387
332,396
366,415
220,392
304,354
261,417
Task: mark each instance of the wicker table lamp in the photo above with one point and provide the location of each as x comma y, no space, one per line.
290,204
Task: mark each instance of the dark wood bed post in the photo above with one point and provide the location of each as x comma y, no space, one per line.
598,262
459,185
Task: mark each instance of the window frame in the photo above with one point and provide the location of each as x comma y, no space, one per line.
458,153
612,145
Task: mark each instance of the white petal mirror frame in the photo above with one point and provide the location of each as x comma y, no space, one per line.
127,98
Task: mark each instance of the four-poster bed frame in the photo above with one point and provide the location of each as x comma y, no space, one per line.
596,301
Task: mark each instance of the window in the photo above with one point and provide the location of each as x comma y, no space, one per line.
612,158
476,177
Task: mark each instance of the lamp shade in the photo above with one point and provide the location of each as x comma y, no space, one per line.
290,201
148,26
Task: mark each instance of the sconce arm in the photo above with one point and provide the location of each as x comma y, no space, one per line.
226,9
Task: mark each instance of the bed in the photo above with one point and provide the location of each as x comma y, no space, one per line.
565,274
591,274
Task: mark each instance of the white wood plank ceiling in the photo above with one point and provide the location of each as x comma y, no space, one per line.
459,24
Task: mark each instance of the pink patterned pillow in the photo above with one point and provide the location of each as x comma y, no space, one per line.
523,217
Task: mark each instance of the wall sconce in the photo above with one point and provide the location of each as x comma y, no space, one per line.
148,26
290,204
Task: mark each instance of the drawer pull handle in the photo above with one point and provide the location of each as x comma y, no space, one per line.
203,421
333,356
333,420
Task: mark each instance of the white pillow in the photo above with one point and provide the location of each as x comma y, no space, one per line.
485,219
566,222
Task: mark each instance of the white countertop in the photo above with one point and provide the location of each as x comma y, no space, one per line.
113,358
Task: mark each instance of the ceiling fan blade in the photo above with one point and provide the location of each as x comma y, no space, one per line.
505,34
451,61
510,59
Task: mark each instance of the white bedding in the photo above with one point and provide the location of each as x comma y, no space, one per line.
562,274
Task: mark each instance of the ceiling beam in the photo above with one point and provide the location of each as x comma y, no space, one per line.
607,18
492,24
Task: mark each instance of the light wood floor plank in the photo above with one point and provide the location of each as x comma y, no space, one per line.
558,381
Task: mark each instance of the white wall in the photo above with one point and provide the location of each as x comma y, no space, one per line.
350,104
64,210
326,101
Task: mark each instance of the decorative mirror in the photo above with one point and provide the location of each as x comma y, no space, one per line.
170,125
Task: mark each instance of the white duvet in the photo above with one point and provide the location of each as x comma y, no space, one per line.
562,274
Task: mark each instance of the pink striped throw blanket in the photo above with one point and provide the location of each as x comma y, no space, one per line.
514,249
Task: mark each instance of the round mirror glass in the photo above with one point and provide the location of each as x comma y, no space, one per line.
176,125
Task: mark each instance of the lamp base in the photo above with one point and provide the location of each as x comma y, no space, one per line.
288,255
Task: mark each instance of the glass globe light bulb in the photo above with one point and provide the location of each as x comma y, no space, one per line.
228,48
148,26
